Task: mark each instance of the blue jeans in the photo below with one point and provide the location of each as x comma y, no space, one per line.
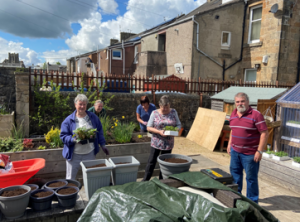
239,162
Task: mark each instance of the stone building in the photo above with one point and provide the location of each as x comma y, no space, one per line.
12,61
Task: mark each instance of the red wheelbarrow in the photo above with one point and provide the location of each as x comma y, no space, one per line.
24,169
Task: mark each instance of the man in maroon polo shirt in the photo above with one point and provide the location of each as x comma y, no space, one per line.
248,137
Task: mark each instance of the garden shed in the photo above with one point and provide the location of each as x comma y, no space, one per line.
289,114
224,101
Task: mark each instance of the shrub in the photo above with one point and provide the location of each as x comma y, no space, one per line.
52,137
296,159
106,126
27,143
281,154
10,145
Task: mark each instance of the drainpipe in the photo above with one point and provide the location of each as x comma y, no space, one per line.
123,56
298,70
109,61
241,55
198,44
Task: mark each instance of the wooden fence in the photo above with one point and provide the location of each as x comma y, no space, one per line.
124,83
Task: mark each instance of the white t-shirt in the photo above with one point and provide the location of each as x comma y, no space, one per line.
89,147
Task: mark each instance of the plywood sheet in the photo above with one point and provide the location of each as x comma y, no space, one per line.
207,127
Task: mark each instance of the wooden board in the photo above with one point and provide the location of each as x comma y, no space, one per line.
206,128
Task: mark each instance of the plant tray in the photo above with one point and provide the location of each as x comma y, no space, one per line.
293,125
266,155
124,173
95,178
278,158
295,164
171,133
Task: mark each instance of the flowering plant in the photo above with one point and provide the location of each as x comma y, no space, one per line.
27,143
82,133
52,137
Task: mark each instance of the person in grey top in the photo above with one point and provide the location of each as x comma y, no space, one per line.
160,143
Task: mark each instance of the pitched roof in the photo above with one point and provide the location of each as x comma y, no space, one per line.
254,93
291,97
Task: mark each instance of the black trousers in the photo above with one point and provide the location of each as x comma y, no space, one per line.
154,153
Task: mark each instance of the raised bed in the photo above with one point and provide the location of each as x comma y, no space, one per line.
56,164
281,173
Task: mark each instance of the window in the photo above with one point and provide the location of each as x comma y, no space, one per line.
117,54
254,24
250,75
136,51
226,39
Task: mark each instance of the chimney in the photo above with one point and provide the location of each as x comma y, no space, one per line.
113,41
125,35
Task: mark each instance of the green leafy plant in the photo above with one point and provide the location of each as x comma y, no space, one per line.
3,110
53,138
296,159
170,128
281,154
270,152
106,126
122,131
41,148
82,133
18,132
10,145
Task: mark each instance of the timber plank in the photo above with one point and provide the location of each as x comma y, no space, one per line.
285,168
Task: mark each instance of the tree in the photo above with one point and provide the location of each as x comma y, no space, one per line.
58,63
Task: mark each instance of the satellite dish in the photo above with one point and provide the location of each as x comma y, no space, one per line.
274,8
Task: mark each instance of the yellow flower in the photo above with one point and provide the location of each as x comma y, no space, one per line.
116,124
117,121
112,127
113,118
123,117
140,136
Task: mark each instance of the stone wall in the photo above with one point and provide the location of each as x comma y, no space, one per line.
7,87
125,104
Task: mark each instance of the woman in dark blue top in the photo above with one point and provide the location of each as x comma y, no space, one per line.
143,112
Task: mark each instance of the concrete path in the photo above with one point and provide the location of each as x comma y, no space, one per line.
282,203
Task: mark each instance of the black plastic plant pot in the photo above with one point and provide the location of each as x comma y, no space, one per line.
91,140
41,203
33,185
46,186
67,201
83,142
77,183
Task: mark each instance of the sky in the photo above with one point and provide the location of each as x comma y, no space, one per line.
54,30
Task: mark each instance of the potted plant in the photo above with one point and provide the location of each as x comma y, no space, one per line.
169,168
14,201
281,156
171,131
84,135
296,161
268,153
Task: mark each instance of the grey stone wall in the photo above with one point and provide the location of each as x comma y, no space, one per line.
7,87
125,104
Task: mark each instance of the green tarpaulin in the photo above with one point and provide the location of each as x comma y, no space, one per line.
155,201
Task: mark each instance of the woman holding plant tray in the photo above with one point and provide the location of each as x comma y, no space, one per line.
81,133
143,112
164,117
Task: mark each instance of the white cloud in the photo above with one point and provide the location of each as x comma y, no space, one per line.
26,55
140,15
108,6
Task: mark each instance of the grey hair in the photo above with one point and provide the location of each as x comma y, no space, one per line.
241,94
98,101
164,100
82,98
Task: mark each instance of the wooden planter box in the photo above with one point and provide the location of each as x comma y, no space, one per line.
56,164
6,124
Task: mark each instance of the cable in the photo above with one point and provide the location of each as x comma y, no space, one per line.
15,16
43,10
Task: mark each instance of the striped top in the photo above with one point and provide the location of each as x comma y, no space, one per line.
245,131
